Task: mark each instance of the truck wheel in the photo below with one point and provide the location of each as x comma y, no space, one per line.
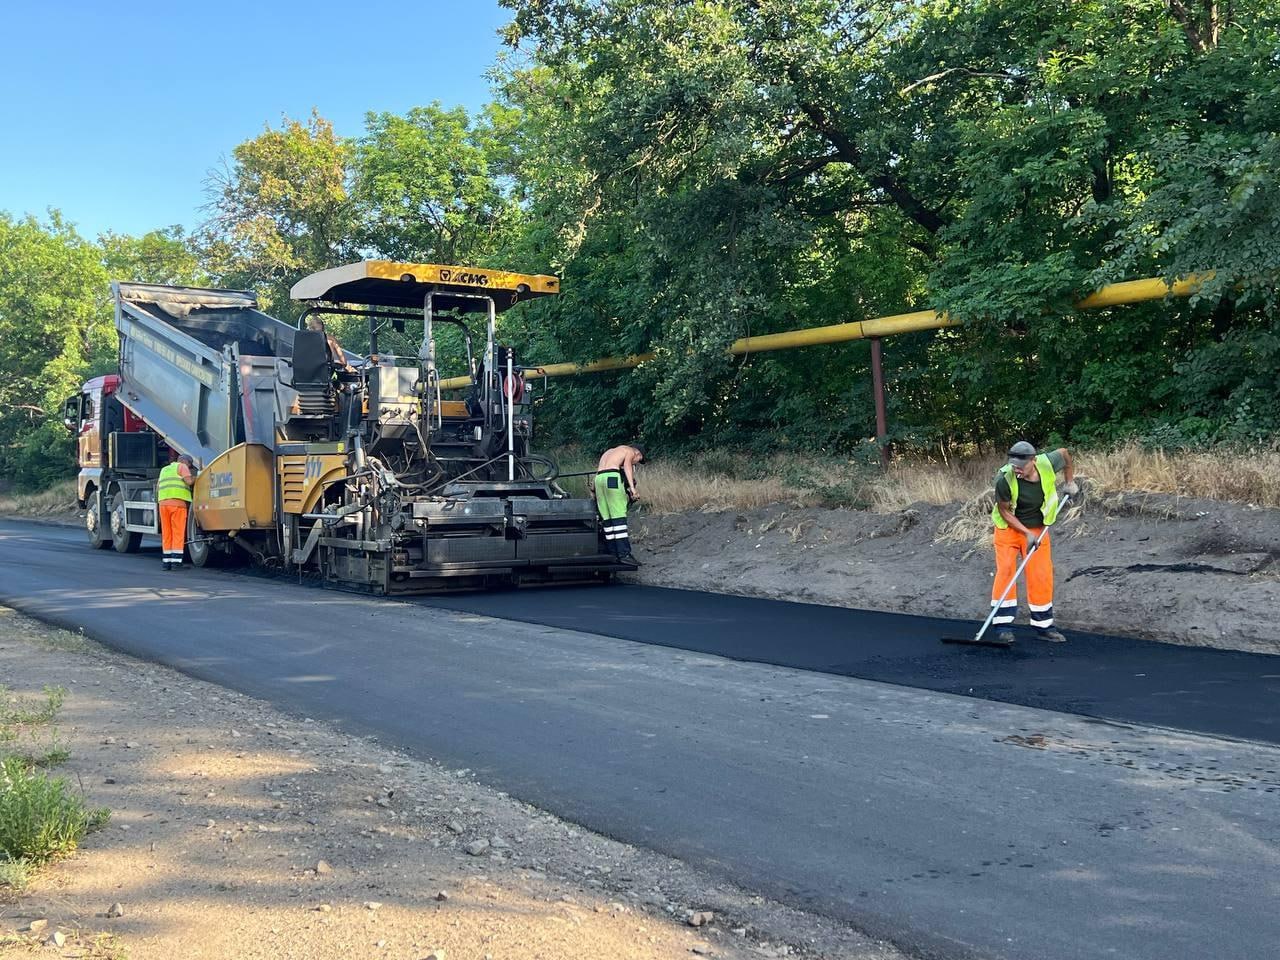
199,549
125,541
94,525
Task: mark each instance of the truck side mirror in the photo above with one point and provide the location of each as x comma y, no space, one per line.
71,414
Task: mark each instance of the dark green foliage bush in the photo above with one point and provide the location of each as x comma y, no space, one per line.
42,817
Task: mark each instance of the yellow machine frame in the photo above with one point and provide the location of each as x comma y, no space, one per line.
234,492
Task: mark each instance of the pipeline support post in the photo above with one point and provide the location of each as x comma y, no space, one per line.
877,387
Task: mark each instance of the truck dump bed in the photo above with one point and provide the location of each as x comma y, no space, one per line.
198,365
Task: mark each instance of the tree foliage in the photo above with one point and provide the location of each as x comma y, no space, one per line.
710,170
704,171
281,209
427,189
54,329
161,256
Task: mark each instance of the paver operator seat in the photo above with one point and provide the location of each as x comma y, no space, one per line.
313,374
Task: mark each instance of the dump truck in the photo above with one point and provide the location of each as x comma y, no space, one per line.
354,467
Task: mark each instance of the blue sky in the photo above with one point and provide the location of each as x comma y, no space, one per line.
114,112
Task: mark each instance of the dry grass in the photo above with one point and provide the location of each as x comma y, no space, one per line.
58,500
720,481
1251,477
1242,477
907,482
1238,476
708,483
677,488
972,522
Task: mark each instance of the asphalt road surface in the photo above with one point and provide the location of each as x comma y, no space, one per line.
1223,692
951,825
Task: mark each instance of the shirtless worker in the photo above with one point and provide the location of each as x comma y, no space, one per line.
337,356
615,484
1027,503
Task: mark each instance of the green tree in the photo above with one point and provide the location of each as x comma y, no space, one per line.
55,329
280,209
704,171
426,189
165,256
1140,142
687,171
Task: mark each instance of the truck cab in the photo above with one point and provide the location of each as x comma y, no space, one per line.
95,417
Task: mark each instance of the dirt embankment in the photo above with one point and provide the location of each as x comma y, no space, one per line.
238,831
1148,565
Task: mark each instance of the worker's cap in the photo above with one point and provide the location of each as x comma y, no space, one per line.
638,448
186,458
1021,453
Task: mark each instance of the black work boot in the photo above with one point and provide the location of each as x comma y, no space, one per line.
1051,634
1005,636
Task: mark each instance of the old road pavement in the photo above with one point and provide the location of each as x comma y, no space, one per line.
1106,798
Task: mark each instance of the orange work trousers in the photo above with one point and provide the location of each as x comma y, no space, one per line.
1011,547
173,530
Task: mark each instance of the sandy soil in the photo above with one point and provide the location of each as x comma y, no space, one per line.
1155,566
237,831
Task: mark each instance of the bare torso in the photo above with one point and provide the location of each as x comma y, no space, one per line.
613,458
621,458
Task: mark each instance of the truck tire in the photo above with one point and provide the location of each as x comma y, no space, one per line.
98,528
125,541
199,549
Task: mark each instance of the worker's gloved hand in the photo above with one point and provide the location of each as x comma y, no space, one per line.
1071,489
1031,539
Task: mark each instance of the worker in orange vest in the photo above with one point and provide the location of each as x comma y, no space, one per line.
173,493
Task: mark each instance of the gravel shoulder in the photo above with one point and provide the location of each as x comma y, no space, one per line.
1166,568
239,831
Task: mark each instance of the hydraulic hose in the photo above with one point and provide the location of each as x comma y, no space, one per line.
553,468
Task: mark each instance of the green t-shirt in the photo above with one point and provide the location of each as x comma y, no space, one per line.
1030,495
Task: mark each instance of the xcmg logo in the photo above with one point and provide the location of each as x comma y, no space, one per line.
222,484
474,279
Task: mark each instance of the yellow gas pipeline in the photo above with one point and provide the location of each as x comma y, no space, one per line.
1112,295
1136,291
843,332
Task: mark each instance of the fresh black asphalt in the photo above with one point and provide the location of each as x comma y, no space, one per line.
1220,692
952,826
